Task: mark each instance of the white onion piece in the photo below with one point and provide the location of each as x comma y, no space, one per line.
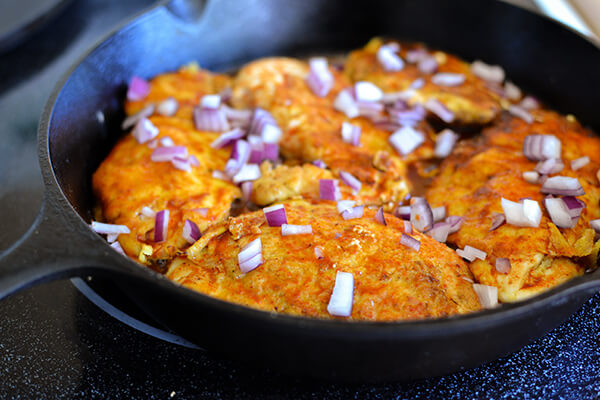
340,303
415,55
471,253
563,186
428,65
532,212
147,212
111,238
250,256
130,121
439,109
319,164
488,295
319,253
168,107
289,230
144,131
417,83
515,213
367,91
344,205
109,229
531,176
440,232
210,120
220,175
439,213
559,213
271,134
388,59
240,154
541,147
520,112
491,73
512,91
344,102
351,133
579,163
138,89
166,141
118,248
191,232
529,103
351,181
211,101
421,216
595,224
249,172
444,143
448,79
406,139
353,213
405,95
503,265
329,190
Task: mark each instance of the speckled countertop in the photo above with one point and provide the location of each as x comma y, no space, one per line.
54,343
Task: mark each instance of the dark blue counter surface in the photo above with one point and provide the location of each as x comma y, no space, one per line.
54,343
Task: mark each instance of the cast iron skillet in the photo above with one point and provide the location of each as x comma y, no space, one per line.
81,123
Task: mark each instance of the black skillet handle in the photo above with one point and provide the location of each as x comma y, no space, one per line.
57,245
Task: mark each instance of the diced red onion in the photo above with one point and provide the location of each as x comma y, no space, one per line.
574,205
428,65
132,120
353,213
559,213
549,166
448,79
563,185
532,212
520,112
515,213
227,138
152,144
416,55
275,215
503,265
118,248
541,147
529,103
161,226
351,181
389,60
531,176
271,134
405,95
595,224
210,101
191,232
512,91
147,212
144,131
240,155
319,253
164,154
220,175
455,223
498,219
138,89
168,107
403,212
439,213
210,120
344,205
250,256
249,172
344,102
329,190
407,227
351,133
319,79
271,151
370,110
166,141
319,163
181,163
289,230
380,216
471,253
410,241
444,143
417,83
440,232
237,118
488,295
421,216
340,302
109,229
403,115
579,163
367,91
439,109
492,73
406,139
111,238
246,191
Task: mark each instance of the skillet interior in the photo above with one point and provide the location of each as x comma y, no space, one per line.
537,54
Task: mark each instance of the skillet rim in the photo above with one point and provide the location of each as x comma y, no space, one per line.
373,330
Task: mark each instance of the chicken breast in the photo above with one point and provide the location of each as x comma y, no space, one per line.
472,102
392,281
482,171
312,128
